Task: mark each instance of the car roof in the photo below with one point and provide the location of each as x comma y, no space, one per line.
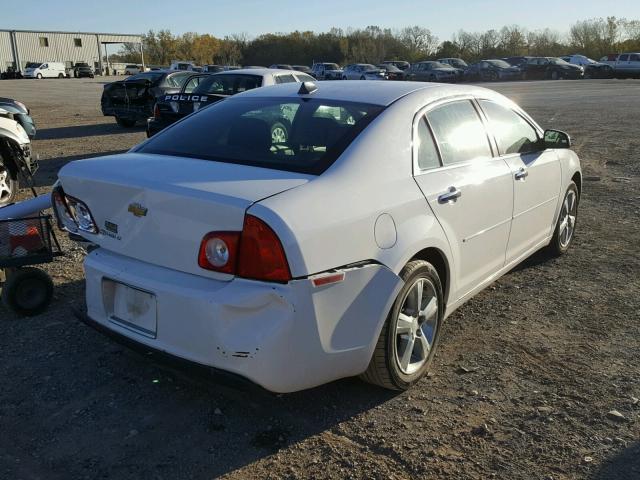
261,72
363,91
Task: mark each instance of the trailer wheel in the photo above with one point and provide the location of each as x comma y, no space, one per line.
27,291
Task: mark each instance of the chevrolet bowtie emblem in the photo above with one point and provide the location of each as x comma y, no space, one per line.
137,209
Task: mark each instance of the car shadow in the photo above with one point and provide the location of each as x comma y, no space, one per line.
48,169
80,131
115,413
623,466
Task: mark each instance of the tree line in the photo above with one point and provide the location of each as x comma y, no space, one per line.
592,37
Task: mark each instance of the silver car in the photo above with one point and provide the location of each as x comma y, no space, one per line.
363,71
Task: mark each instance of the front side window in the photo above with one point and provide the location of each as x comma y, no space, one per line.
623,58
425,147
513,133
296,135
459,132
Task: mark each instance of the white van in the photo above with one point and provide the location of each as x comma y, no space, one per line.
45,70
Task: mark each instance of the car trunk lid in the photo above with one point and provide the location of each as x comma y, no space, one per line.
157,208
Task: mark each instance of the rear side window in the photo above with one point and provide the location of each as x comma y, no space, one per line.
178,80
459,132
192,84
290,134
513,133
623,58
288,78
426,148
634,58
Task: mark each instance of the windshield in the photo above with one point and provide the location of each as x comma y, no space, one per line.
558,61
438,65
33,64
298,135
228,84
499,63
367,66
456,62
331,66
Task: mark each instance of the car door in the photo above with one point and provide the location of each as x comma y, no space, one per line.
634,64
536,177
468,189
622,64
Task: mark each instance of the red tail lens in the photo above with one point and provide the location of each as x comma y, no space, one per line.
156,111
261,255
219,252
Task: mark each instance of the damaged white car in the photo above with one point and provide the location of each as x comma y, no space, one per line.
15,155
338,251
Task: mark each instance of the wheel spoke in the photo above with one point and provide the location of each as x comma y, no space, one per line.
566,204
425,346
419,291
405,324
406,355
431,309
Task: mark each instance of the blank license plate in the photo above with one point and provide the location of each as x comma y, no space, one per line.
130,307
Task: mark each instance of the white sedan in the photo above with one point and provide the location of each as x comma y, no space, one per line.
335,253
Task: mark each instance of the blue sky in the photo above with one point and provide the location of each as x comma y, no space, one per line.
221,17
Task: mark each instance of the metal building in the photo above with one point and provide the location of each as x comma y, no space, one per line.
18,47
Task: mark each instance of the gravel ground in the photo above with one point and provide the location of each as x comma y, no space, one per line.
523,386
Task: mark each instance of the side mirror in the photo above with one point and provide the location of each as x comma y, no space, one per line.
556,139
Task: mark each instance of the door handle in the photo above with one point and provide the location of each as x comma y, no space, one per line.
450,196
522,174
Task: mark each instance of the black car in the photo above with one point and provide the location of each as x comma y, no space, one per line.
21,114
517,61
550,68
592,69
10,74
401,64
133,98
303,69
391,71
82,69
491,71
280,66
198,92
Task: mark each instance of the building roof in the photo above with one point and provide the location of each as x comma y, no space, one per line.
133,37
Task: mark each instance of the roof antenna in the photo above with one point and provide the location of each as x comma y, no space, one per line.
307,87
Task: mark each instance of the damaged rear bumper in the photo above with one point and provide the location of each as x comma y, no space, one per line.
282,337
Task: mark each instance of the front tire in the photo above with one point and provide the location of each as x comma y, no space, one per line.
566,225
39,76
409,337
8,185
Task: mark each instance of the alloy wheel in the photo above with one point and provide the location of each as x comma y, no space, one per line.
568,218
416,326
5,185
278,135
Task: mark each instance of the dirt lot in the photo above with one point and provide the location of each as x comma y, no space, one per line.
522,387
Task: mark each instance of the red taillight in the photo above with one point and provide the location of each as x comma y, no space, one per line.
156,111
261,254
255,253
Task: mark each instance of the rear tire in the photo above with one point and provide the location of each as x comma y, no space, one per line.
125,122
561,240
27,291
386,366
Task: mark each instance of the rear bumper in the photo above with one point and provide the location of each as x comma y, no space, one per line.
281,337
155,125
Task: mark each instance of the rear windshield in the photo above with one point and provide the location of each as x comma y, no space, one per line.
151,76
297,135
228,84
